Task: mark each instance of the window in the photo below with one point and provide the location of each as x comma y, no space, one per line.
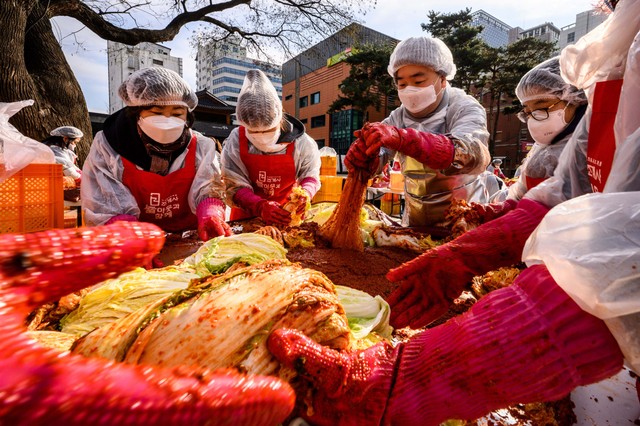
571,37
158,62
318,121
320,143
303,102
304,120
286,98
315,98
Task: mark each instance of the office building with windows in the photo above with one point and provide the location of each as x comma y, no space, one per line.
545,32
221,67
585,22
123,60
310,84
494,32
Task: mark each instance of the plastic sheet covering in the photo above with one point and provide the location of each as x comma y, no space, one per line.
16,150
591,246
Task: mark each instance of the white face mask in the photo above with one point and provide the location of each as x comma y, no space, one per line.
266,142
72,146
162,129
417,99
546,130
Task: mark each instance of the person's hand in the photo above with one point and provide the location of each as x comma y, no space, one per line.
427,286
429,283
273,214
488,212
302,200
345,387
211,223
524,343
358,159
59,262
434,150
212,227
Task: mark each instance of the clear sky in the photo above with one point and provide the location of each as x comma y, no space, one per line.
87,53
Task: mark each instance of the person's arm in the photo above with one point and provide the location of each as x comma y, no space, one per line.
461,150
102,192
307,160
429,283
239,189
234,172
529,342
208,180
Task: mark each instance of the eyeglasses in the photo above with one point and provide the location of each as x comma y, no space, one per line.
540,114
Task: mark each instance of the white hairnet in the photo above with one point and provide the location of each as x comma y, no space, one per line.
157,86
425,51
68,131
545,82
259,106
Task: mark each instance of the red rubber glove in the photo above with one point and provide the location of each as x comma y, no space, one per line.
358,159
488,212
430,282
433,150
273,214
525,343
211,224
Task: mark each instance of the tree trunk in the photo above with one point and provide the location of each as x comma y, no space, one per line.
33,66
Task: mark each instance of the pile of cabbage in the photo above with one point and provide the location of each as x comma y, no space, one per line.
217,308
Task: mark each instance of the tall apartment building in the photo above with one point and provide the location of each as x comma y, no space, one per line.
221,67
585,22
123,60
545,32
311,83
495,32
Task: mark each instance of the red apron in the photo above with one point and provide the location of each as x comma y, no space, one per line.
602,142
164,200
533,182
272,176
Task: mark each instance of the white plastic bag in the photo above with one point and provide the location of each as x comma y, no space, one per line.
16,150
327,151
591,247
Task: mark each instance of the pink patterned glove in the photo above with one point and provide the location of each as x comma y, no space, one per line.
433,150
123,218
311,185
211,223
525,343
344,388
430,282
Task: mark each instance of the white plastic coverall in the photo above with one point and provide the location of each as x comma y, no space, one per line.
104,195
591,245
306,157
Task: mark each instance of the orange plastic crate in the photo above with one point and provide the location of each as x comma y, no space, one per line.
32,199
330,189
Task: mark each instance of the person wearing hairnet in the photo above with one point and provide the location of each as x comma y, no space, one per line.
269,154
527,342
63,141
439,132
148,165
552,109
